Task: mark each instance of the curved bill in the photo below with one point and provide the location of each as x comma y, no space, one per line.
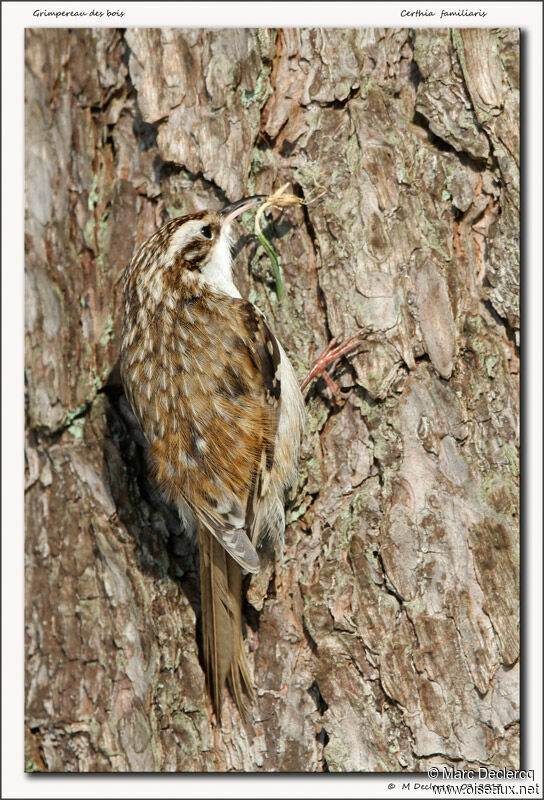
229,213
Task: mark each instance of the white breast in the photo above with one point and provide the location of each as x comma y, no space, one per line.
291,422
218,271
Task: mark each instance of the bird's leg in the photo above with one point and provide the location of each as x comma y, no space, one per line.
331,353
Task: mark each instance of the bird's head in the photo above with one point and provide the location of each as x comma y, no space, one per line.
194,249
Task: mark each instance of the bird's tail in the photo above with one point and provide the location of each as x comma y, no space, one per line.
223,647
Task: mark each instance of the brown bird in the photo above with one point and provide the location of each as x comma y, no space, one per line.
220,407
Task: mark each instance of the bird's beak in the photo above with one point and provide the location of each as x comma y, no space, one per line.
231,212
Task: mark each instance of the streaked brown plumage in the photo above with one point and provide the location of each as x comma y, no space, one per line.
220,407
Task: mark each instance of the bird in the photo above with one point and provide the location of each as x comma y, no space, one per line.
222,413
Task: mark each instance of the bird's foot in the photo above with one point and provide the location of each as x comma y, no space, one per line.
332,352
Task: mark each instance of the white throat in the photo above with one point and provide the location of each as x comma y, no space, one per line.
218,271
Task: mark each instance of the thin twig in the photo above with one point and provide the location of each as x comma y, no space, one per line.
279,199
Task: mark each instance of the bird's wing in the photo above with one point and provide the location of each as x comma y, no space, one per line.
230,423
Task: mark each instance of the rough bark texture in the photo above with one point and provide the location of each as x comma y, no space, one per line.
386,637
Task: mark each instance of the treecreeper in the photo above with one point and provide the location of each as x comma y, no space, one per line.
222,412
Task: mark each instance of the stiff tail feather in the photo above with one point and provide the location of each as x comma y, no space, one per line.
223,647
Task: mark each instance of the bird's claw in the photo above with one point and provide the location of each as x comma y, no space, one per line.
331,353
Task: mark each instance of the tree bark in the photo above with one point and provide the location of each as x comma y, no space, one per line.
385,638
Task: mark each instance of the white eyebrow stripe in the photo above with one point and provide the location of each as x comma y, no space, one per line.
184,234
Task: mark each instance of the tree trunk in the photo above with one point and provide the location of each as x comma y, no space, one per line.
385,638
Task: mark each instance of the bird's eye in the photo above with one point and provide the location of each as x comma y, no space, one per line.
206,231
